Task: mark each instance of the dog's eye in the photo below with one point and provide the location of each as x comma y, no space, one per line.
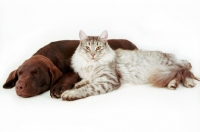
19,73
34,72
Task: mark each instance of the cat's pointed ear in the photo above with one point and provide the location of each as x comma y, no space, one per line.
82,35
104,35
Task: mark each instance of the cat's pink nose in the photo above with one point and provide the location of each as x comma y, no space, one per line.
92,55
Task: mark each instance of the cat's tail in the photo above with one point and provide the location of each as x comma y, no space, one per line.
163,75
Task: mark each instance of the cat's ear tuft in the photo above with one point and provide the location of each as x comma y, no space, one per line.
104,35
82,35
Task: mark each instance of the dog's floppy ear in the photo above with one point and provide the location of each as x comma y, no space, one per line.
52,70
55,74
11,80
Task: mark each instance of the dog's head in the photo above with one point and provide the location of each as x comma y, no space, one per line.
35,76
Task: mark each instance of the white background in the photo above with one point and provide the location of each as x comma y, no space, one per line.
167,25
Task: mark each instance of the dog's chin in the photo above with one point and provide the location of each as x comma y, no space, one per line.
27,94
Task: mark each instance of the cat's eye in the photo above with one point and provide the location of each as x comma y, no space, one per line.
98,48
87,47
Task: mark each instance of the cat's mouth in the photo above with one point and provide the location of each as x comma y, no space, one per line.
93,59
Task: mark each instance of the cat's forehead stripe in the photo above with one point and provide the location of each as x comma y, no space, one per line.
93,39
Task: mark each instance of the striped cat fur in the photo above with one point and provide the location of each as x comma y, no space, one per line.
104,70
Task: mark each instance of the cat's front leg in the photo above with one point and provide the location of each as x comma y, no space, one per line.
81,83
89,90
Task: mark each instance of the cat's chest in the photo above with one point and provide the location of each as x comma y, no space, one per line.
90,69
85,69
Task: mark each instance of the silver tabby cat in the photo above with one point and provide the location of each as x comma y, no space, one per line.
104,70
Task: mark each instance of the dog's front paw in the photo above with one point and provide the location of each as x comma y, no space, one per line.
70,95
58,89
55,91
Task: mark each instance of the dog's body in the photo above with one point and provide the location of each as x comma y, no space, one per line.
49,68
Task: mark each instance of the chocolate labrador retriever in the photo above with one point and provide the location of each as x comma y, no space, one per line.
49,68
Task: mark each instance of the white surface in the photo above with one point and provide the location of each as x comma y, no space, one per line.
167,25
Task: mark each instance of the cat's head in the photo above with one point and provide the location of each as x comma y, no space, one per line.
93,47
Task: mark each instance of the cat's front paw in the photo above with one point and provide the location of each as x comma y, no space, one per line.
70,95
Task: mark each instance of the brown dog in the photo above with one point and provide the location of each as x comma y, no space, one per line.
49,68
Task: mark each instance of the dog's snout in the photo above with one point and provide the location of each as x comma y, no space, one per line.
22,89
20,86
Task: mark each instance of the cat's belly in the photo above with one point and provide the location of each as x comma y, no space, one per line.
134,68
134,74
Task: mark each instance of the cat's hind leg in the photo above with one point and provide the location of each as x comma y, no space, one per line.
171,76
188,78
166,76
189,82
173,84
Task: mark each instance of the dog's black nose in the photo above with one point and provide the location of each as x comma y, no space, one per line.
20,86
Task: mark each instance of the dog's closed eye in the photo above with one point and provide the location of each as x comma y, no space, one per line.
34,72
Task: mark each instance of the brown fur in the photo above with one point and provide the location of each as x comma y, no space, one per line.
161,79
59,54
39,77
